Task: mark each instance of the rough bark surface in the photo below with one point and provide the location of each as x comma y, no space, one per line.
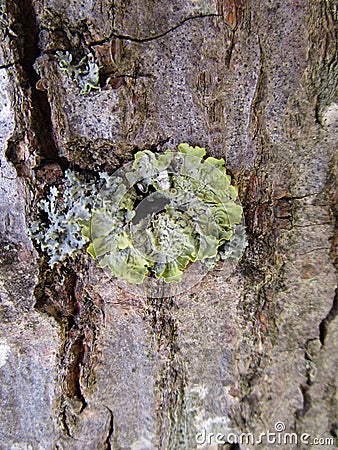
84,363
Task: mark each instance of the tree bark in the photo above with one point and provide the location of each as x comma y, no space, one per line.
84,362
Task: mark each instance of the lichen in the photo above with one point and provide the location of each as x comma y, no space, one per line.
152,218
59,231
85,73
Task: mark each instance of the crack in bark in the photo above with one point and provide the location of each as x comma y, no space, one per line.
136,75
7,66
73,379
112,77
37,125
254,123
110,429
333,313
126,37
33,143
230,49
305,387
74,348
73,315
324,58
325,323
314,250
171,379
61,294
305,390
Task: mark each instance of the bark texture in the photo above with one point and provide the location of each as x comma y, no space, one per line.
86,364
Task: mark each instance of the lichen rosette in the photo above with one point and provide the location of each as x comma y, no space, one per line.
162,213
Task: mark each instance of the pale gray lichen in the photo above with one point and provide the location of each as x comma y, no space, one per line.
60,235
85,73
152,218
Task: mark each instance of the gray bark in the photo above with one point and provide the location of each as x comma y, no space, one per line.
87,364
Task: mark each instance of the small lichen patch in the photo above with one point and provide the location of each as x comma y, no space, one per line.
5,350
85,73
330,115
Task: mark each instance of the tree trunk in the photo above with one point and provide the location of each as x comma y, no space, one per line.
84,362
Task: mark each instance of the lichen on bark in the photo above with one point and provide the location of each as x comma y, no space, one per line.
97,366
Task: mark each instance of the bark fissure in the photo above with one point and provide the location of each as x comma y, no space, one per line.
126,37
230,48
325,323
76,352
171,378
64,422
81,324
7,66
40,129
314,250
254,115
160,35
110,429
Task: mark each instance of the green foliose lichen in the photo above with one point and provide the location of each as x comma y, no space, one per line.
152,218
85,73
